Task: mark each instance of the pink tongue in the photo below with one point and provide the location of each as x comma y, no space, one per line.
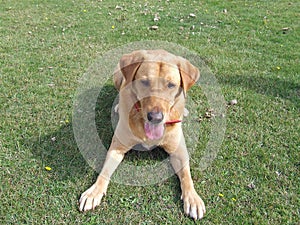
154,131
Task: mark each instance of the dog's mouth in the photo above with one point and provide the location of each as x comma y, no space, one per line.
154,125
154,131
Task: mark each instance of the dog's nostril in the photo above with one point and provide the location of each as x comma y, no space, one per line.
155,117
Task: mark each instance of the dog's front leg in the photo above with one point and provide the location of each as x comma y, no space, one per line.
92,196
193,204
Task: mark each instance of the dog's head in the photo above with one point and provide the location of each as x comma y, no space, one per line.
159,80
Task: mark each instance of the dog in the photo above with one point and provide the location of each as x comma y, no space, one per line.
152,87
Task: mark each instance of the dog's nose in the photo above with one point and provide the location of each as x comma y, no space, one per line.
155,117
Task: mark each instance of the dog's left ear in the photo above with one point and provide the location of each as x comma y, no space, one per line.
189,74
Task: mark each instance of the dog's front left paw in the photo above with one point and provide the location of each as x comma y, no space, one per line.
90,198
193,205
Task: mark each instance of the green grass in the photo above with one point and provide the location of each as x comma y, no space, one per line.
46,46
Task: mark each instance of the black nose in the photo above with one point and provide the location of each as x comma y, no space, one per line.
155,117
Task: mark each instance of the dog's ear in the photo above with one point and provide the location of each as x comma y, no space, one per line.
189,74
129,64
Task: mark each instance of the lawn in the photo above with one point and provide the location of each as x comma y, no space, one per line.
251,47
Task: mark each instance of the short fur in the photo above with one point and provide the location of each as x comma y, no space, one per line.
153,86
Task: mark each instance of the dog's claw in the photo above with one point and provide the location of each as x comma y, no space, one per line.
116,109
185,112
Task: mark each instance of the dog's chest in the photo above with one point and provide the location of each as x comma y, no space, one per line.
144,147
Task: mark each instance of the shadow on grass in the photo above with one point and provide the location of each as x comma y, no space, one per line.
59,150
275,87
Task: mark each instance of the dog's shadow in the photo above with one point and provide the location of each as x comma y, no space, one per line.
59,150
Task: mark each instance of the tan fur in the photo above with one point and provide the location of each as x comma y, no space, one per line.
150,81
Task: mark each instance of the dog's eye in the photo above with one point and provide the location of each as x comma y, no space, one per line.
171,85
146,83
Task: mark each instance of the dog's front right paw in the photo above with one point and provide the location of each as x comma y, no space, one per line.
193,205
91,198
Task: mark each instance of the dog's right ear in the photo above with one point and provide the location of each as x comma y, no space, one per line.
129,64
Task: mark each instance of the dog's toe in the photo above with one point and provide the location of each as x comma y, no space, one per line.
193,213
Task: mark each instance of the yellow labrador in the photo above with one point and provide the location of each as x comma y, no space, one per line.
152,86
